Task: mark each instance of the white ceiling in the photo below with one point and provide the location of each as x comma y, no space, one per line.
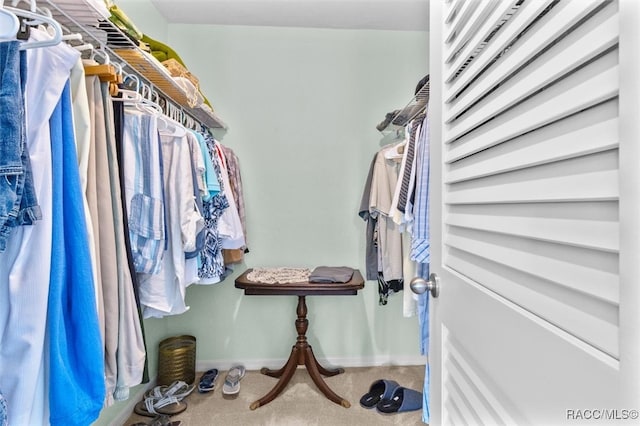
411,15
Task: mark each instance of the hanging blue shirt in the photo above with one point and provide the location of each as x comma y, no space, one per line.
210,174
76,363
420,247
420,237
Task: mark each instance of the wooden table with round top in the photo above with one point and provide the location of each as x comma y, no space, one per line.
301,353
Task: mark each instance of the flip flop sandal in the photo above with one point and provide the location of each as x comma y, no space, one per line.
153,406
179,389
380,389
232,381
208,381
402,399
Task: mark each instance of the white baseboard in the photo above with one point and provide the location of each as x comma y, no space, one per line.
345,362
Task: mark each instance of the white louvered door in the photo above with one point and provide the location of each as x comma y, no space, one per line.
535,212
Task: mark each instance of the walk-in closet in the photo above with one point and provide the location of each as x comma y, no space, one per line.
287,212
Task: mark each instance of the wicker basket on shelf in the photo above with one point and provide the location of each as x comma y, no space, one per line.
177,360
177,70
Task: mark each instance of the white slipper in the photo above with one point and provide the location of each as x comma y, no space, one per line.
232,381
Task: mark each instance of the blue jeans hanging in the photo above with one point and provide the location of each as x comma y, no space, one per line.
18,203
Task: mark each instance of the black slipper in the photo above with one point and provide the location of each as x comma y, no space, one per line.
401,400
380,389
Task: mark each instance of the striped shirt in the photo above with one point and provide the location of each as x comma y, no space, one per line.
420,249
144,190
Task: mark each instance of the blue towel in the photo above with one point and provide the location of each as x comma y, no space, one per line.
76,364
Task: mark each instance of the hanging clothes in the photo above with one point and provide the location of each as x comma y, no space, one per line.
18,204
229,225
4,420
144,190
401,212
387,235
82,132
371,251
382,238
235,181
211,261
76,391
121,328
385,176
130,352
163,293
25,289
199,188
420,237
212,180
117,115
420,248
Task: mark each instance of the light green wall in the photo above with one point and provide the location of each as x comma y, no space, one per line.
301,105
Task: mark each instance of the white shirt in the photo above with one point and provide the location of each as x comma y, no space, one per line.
25,264
383,183
164,293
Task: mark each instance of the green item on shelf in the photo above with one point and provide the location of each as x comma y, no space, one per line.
122,21
160,56
159,49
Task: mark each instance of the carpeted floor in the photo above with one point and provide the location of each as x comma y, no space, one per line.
301,403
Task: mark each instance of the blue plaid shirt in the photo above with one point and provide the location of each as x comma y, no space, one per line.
144,191
420,237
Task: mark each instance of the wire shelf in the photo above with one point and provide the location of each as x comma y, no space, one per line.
412,110
80,16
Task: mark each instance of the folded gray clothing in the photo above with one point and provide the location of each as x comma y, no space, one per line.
331,274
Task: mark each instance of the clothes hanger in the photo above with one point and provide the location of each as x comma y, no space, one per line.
108,73
137,97
67,35
172,113
9,23
37,18
128,95
148,102
32,4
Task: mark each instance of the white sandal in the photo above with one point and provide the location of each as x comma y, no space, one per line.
178,390
153,406
232,381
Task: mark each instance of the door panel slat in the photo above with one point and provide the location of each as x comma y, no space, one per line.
459,52
469,389
490,407
587,234
458,399
531,115
525,14
561,60
595,282
529,47
460,20
595,186
569,138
